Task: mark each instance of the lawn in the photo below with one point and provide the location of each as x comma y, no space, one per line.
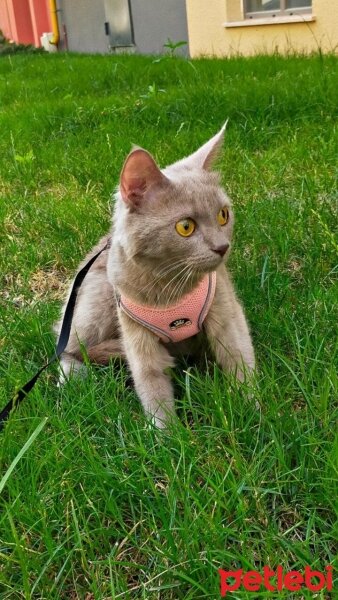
97,504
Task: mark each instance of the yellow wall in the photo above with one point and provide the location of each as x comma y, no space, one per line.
208,36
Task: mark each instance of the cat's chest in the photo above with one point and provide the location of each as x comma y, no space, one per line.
178,321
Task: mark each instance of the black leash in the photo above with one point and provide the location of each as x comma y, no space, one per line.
62,342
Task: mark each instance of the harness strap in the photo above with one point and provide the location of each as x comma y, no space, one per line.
179,321
62,341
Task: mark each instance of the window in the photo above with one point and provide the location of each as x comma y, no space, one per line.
272,8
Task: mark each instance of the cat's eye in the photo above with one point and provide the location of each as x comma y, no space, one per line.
185,227
223,216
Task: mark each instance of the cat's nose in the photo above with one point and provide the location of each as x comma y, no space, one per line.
221,250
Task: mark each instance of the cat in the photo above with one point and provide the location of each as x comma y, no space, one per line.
167,248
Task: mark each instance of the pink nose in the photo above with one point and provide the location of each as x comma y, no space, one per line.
221,250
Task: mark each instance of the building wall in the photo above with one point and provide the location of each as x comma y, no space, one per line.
81,24
6,25
155,22
208,36
41,22
24,21
17,24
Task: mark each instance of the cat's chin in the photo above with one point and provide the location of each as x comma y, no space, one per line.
211,266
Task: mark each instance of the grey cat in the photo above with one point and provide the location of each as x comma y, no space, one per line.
162,286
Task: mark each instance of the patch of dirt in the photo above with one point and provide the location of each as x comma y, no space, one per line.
51,283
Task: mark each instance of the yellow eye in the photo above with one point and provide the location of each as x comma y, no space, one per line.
223,216
185,227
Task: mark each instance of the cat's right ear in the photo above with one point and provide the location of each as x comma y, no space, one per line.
139,173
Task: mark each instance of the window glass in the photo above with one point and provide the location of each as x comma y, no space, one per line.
263,5
298,4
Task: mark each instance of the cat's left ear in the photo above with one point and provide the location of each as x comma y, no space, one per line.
206,156
140,173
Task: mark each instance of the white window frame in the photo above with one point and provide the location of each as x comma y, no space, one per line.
281,12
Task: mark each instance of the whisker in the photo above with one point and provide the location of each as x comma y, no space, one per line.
184,282
178,284
177,275
164,274
158,280
165,270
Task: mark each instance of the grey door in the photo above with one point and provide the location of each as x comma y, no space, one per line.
94,25
104,25
118,23
82,26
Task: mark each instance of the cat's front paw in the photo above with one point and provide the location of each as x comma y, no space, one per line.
161,416
69,367
160,421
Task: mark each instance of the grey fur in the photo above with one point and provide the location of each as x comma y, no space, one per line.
150,263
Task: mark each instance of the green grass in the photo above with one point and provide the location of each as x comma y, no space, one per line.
96,504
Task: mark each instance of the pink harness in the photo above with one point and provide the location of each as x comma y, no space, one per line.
177,322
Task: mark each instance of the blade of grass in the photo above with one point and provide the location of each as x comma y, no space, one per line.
20,454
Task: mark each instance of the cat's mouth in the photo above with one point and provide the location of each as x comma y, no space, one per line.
217,257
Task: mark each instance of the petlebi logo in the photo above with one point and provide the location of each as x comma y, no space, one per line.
276,580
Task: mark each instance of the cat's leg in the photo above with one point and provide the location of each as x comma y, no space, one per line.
148,359
94,327
69,365
231,345
228,333
100,354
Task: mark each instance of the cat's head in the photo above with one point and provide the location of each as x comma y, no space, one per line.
180,213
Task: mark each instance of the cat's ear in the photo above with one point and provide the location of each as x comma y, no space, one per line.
139,173
206,156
